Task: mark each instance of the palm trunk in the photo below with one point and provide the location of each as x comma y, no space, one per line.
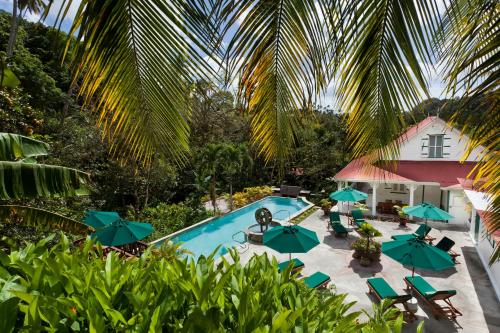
230,196
212,194
13,30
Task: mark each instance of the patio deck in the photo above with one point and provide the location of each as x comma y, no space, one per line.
475,297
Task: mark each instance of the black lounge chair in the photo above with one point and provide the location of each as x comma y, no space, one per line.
446,244
336,226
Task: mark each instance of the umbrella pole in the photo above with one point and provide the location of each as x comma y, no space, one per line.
290,256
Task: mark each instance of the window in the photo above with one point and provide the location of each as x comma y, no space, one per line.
436,146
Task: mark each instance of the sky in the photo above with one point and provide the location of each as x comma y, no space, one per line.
436,85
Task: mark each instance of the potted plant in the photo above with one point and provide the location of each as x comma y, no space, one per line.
325,205
360,250
403,217
368,232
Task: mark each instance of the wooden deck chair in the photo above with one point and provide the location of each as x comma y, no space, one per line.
382,290
317,280
446,244
430,296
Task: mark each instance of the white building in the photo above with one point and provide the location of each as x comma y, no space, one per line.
427,170
484,242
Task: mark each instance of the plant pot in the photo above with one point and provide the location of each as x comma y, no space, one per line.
364,261
403,222
374,256
356,254
326,210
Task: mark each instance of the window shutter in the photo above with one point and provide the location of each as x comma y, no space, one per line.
446,146
424,150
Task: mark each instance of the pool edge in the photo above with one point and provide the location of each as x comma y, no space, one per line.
205,221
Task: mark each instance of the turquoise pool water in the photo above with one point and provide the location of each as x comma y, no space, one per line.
203,239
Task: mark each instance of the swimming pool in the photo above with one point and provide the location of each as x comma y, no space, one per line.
203,238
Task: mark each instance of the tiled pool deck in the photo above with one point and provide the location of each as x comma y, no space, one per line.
475,298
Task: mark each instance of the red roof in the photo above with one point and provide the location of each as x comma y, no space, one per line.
488,220
443,172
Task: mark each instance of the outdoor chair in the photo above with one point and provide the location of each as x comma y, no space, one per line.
382,290
430,296
357,218
297,265
421,232
317,280
446,244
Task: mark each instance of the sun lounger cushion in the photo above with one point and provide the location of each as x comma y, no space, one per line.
382,288
421,232
297,263
425,289
339,228
316,280
359,223
334,217
357,215
445,244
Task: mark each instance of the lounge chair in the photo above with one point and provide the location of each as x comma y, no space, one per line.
446,244
297,265
339,230
421,232
357,218
382,290
317,280
430,296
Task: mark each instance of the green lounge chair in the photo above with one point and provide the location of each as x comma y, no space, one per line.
430,296
317,280
339,230
382,290
357,217
421,232
334,217
445,244
297,265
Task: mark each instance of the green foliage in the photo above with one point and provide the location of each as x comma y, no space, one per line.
360,245
168,218
59,288
251,194
14,147
326,204
16,114
369,231
400,211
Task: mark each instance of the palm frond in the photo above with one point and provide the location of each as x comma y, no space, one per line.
41,219
26,180
136,60
469,41
278,50
386,51
14,147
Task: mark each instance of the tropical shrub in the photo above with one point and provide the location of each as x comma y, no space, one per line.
64,289
167,218
360,248
326,205
251,194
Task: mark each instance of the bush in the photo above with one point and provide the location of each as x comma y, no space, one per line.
359,246
168,218
60,289
251,194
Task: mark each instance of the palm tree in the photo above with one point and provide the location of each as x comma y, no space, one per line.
22,178
234,159
32,6
210,164
137,59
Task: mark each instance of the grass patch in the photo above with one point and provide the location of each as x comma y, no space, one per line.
304,215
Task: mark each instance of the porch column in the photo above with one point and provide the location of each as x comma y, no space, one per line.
374,198
339,185
412,189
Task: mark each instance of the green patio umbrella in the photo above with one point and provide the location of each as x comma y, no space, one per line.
122,232
290,239
348,194
417,253
98,220
426,211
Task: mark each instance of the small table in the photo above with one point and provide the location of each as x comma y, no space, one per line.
412,305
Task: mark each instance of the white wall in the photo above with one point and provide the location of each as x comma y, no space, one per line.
484,249
458,206
411,150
